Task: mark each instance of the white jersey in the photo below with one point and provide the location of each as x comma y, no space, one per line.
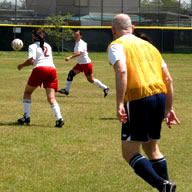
81,46
41,58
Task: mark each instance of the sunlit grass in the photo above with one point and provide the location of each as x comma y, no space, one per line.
85,155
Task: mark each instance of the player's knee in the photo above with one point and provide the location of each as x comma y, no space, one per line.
90,79
71,74
51,99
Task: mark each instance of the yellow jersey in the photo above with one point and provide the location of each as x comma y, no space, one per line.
144,68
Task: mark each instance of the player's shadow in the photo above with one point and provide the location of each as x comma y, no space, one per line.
25,125
9,124
108,118
62,95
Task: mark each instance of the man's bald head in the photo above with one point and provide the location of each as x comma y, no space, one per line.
122,23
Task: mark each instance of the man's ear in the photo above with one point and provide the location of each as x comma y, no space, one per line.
133,28
113,31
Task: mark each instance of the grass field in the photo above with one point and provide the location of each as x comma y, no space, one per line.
85,155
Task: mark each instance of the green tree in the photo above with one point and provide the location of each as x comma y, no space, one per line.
5,5
57,33
166,3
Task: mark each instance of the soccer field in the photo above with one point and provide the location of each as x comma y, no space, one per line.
85,155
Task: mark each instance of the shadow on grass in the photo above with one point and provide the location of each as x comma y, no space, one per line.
25,125
108,118
63,95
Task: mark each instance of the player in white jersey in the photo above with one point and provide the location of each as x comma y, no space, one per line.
44,72
84,65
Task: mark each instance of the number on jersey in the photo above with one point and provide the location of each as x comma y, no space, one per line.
45,51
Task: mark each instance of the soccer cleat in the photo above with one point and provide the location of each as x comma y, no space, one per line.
59,123
63,91
106,91
168,187
24,120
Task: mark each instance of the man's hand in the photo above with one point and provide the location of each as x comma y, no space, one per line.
121,114
171,119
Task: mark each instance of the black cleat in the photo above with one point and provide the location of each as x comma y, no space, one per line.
106,91
168,187
24,120
59,123
63,91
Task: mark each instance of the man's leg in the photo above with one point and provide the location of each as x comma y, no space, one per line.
141,165
157,159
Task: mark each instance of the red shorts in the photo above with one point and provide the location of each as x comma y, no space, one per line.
44,75
86,68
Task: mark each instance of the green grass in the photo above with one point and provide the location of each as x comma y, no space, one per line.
85,155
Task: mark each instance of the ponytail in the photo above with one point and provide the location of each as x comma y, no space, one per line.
37,37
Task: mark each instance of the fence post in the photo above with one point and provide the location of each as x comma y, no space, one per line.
15,17
79,11
121,6
101,12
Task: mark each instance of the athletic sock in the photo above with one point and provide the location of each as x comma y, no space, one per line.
144,169
68,85
26,107
99,84
56,109
160,166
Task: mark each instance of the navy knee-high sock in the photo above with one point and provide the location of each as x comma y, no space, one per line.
160,166
144,169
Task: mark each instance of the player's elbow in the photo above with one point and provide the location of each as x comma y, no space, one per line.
31,61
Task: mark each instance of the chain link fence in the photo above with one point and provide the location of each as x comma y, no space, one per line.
176,13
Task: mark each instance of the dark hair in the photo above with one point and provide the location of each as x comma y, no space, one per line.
78,31
37,37
144,36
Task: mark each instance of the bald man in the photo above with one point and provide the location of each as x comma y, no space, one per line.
144,98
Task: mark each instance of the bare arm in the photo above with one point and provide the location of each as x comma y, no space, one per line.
75,54
28,62
170,115
170,93
121,85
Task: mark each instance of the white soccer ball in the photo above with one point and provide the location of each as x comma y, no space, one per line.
17,44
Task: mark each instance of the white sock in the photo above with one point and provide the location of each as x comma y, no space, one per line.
26,107
68,85
56,109
99,84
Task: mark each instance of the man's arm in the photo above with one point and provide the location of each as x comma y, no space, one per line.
28,62
75,54
121,85
169,84
170,115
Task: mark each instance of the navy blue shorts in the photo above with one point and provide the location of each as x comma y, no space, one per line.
145,117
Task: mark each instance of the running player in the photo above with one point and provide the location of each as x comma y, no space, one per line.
84,65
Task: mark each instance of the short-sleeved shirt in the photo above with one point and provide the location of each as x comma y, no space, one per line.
41,58
116,52
81,46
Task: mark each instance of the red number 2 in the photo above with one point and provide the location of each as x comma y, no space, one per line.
45,52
